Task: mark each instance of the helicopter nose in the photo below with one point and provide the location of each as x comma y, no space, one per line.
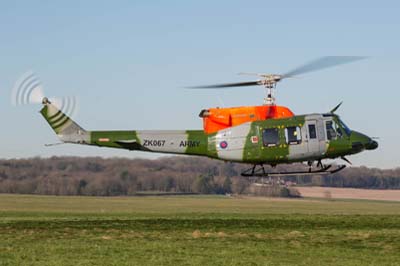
371,145
361,142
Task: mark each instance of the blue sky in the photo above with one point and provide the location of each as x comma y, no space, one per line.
128,61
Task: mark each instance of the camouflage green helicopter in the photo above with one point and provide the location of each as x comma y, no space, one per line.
256,135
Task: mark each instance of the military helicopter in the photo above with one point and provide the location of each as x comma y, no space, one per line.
258,135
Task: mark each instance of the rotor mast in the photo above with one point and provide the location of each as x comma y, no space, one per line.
270,98
269,82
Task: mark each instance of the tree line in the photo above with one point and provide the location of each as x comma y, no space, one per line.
179,174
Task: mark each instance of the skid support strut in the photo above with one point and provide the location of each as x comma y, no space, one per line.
258,170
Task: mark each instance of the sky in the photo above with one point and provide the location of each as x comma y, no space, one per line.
128,63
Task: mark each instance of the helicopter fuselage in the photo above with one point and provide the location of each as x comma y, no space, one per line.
272,141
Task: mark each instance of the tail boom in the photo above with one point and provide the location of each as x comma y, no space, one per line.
192,142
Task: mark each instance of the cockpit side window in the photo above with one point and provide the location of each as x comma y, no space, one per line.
330,130
346,129
333,130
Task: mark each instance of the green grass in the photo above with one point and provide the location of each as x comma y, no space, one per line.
196,230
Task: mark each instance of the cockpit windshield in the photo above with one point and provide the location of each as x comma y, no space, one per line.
344,126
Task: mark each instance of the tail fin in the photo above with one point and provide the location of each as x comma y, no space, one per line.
65,128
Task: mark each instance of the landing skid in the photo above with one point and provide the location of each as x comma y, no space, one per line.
323,170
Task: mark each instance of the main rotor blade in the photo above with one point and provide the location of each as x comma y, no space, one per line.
322,63
227,85
251,74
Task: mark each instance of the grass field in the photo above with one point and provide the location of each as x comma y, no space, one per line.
350,193
197,230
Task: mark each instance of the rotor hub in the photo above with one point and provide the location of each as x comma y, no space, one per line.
46,101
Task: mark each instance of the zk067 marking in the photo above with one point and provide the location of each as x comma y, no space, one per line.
153,143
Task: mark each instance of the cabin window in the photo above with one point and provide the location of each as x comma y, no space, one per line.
293,135
270,137
312,132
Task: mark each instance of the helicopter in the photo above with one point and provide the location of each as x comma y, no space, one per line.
257,135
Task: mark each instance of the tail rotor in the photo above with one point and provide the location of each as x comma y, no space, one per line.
29,90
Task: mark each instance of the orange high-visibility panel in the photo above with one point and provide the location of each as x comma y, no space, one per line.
215,119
